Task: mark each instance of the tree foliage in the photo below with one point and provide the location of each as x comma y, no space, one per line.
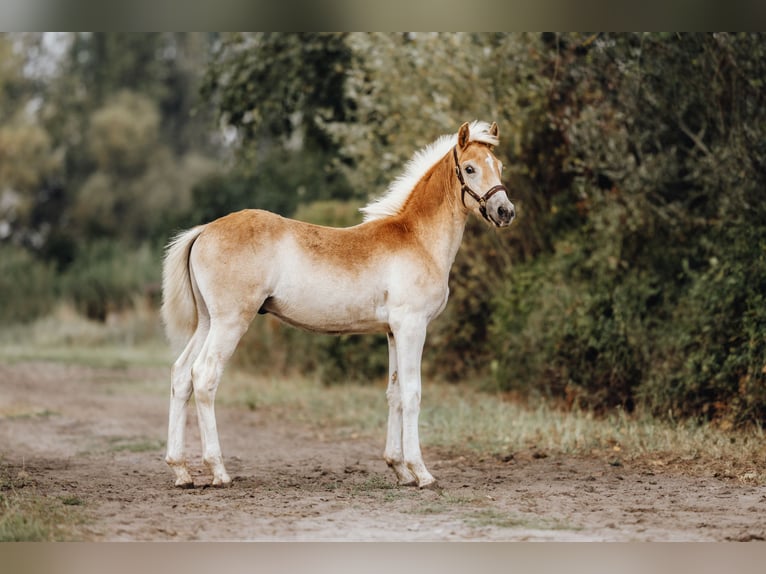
652,295
96,141
276,91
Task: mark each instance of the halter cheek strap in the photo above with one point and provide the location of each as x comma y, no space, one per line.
480,199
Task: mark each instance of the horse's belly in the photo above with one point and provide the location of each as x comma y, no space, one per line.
329,314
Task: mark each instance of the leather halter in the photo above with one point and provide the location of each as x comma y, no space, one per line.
480,199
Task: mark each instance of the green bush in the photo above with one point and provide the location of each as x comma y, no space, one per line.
107,276
279,182
274,348
332,213
457,347
651,290
711,361
27,285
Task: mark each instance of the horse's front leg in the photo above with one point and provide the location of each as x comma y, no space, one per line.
394,455
410,336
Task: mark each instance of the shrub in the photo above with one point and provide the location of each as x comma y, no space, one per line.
711,361
106,276
27,285
651,292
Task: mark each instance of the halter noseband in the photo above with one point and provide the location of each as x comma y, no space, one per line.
480,199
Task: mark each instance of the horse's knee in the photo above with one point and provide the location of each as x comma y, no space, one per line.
180,385
204,394
394,397
204,380
410,402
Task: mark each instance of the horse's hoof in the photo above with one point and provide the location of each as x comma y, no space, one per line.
431,485
404,477
222,482
184,484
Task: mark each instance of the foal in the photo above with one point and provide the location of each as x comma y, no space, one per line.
386,275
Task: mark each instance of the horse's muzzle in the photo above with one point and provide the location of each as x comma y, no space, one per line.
505,215
499,210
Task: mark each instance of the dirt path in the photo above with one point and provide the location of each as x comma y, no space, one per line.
96,435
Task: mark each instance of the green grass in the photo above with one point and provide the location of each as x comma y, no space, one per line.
135,444
447,502
473,511
103,356
134,339
375,483
498,519
460,419
12,412
26,516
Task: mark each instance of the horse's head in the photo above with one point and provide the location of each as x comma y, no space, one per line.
479,171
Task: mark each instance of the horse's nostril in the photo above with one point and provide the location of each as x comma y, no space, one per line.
505,214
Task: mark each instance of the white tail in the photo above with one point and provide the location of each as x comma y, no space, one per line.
179,309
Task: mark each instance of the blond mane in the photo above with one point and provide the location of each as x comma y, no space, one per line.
391,202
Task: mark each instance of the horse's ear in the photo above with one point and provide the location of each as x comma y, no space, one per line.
494,130
463,136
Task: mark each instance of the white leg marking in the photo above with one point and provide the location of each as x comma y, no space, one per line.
410,337
180,392
393,455
206,375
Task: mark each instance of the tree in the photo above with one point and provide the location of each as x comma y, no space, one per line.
650,291
280,85
28,158
276,90
123,110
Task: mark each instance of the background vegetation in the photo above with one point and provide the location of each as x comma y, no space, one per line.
635,276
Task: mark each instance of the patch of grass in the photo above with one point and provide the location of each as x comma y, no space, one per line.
376,482
132,338
135,444
445,503
109,356
25,516
15,412
497,519
463,420
437,507
392,495
97,358
72,501
344,410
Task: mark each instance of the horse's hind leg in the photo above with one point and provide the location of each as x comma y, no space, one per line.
221,342
180,392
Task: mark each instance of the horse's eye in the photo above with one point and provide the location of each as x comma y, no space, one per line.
469,169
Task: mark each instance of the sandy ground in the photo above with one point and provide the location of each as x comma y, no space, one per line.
96,435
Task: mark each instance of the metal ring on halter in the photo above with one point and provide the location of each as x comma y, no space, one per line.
480,199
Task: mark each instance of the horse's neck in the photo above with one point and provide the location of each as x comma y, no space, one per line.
435,215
